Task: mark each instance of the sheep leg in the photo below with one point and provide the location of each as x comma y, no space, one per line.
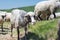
49,13
39,18
2,27
48,16
36,18
11,30
18,33
54,14
26,32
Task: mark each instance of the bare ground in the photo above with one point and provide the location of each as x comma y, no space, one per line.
5,35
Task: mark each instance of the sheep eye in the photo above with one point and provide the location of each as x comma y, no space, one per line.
28,18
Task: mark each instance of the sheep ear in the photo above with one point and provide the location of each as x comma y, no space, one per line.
26,15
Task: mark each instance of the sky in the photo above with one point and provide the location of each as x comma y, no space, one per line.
8,4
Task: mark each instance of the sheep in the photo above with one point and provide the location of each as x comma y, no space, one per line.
2,16
19,19
8,16
49,6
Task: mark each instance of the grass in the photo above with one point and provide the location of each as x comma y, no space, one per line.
42,30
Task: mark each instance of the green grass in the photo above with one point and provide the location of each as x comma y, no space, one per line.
43,28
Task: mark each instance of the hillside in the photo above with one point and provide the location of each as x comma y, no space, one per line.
28,8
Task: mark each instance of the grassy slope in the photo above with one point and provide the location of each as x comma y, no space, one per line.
45,28
42,30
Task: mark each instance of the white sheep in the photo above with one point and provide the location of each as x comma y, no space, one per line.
8,16
3,14
49,6
19,19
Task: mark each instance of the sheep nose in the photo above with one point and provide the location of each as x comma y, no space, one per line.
33,22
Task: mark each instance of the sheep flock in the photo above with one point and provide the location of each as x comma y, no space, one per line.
44,10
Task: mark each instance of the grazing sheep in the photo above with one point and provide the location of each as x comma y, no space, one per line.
2,16
48,7
19,19
8,16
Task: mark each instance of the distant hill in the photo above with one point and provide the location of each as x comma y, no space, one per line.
28,8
